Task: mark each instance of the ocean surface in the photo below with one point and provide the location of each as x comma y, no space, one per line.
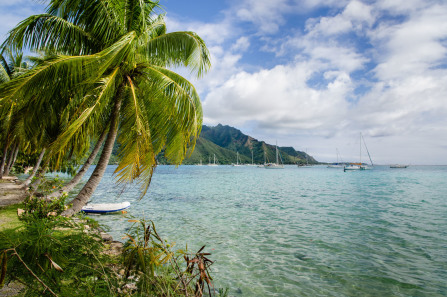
301,231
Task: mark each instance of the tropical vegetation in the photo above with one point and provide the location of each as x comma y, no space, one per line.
103,78
57,256
106,75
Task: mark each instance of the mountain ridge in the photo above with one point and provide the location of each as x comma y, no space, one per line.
225,141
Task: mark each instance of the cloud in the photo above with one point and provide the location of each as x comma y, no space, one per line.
335,86
279,99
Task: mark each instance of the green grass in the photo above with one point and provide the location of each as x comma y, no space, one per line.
8,217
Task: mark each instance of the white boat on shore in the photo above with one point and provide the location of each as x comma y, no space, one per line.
105,207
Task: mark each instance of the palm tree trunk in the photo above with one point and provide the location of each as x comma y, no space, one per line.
14,158
90,186
4,157
10,159
77,178
40,175
36,167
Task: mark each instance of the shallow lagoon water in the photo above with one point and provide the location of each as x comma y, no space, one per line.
301,231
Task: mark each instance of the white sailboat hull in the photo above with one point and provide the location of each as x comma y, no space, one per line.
398,166
273,166
334,166
105,207
352,167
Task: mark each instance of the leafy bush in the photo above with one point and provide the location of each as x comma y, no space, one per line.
56,257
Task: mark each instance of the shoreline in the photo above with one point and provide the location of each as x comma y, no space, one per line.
12,194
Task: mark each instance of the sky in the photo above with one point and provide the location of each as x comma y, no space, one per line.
314,74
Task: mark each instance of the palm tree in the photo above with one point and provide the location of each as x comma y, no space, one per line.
11,65
114,71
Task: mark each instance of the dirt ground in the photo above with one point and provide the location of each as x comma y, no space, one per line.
11,191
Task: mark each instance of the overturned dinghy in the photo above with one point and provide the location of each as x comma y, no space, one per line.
105,207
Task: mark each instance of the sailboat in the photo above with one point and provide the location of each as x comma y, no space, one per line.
252,164
213,164
307,162
275,165
265,162
200,164
337,164
360,165
237,160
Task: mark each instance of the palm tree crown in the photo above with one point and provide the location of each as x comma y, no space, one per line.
112,71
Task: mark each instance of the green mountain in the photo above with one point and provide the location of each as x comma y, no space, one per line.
225,141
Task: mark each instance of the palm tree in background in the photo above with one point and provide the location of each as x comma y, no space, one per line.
113,73
11,65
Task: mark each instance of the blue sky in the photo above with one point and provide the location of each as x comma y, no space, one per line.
313,74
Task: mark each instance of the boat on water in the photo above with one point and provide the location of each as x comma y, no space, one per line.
337,164
252,161
359,165
214,163
275,165
105,207
398,166
237,160
353,166
307,163
265,160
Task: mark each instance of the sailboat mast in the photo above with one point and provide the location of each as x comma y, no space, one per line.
276,146
360,148
367,151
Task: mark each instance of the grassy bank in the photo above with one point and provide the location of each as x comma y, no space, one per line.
57,256
8,217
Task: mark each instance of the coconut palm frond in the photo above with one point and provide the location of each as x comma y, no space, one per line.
104,94
180,49
50,32
4,77
136,151
175,112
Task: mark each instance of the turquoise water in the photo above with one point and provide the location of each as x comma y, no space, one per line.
302,231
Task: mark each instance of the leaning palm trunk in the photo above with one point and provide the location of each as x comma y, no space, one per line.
14,158
12,153
77,178
86,192
33,187
36,167
4,157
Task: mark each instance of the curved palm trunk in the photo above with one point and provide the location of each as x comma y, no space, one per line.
36,167
84,195
77,178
